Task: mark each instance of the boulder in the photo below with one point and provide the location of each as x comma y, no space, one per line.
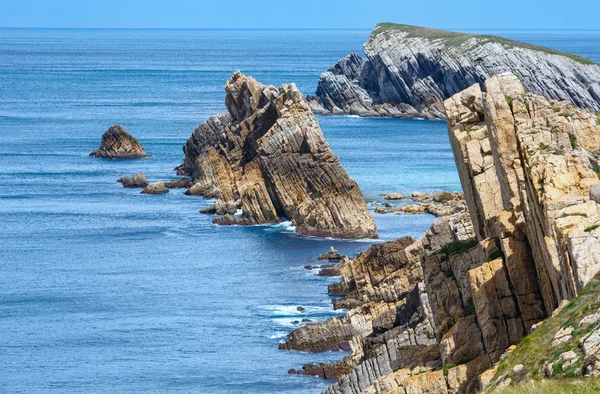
137,181
117,143
155,188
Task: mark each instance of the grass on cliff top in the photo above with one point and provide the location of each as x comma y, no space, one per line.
571,386
455,39
536,349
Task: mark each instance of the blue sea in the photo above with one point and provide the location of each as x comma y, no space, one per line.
103,289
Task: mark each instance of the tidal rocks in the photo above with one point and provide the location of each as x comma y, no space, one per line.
332,255
117,143
155,188
438,204
267,157
137,181
182,183
409,71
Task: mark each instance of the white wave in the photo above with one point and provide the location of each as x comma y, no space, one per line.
283,310
278,335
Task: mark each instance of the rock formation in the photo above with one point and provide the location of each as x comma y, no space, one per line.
137,181
117,143
268,158
155,188
409,71
434,315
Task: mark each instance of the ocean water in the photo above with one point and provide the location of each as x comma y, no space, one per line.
103,289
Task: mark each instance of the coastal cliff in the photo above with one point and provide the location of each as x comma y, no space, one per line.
267,157
409,71
437,314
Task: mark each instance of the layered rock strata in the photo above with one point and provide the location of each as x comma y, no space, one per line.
434,314
268,158
117,143
409,71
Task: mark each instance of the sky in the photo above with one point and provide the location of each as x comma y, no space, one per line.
340,14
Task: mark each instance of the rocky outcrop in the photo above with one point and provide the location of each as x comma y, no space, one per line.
117,143
409,71
438,204
137,181
435,314
155,188
268,158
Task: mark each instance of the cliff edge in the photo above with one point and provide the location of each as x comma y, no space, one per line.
437,314
409,71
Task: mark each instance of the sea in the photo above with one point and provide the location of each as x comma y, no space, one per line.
103,289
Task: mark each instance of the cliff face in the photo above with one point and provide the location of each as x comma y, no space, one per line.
434,314
409,71
268,158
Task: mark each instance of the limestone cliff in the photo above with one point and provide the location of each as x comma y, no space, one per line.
433,315
268,158
409,71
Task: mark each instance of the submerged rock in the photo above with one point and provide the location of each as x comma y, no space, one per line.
267,157
155,188
409,71
117,143
137,181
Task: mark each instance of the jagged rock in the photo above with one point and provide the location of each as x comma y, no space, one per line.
595,193
332,255
480,280
183,183
394,196
409,71
117,143
267,156
137,181
562,336
155,188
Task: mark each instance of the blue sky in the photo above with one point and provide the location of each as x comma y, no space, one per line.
472,14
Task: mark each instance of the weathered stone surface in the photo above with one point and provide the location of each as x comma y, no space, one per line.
117,143
409,71
332,255
155,188
484,279
182,183
137,181
267,156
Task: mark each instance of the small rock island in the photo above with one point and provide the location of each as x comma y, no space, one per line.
117,143
268,159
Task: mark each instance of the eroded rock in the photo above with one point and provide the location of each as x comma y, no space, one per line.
267,157
117,143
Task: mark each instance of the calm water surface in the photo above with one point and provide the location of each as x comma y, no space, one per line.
106,290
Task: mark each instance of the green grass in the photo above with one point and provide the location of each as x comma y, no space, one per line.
592,227
447,367
536,349
573,140
469,309
456,39
571,386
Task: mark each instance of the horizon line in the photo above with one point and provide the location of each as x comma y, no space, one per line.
274,28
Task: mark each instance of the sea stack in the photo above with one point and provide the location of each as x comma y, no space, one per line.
436,314
409,71
268,158
117,143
